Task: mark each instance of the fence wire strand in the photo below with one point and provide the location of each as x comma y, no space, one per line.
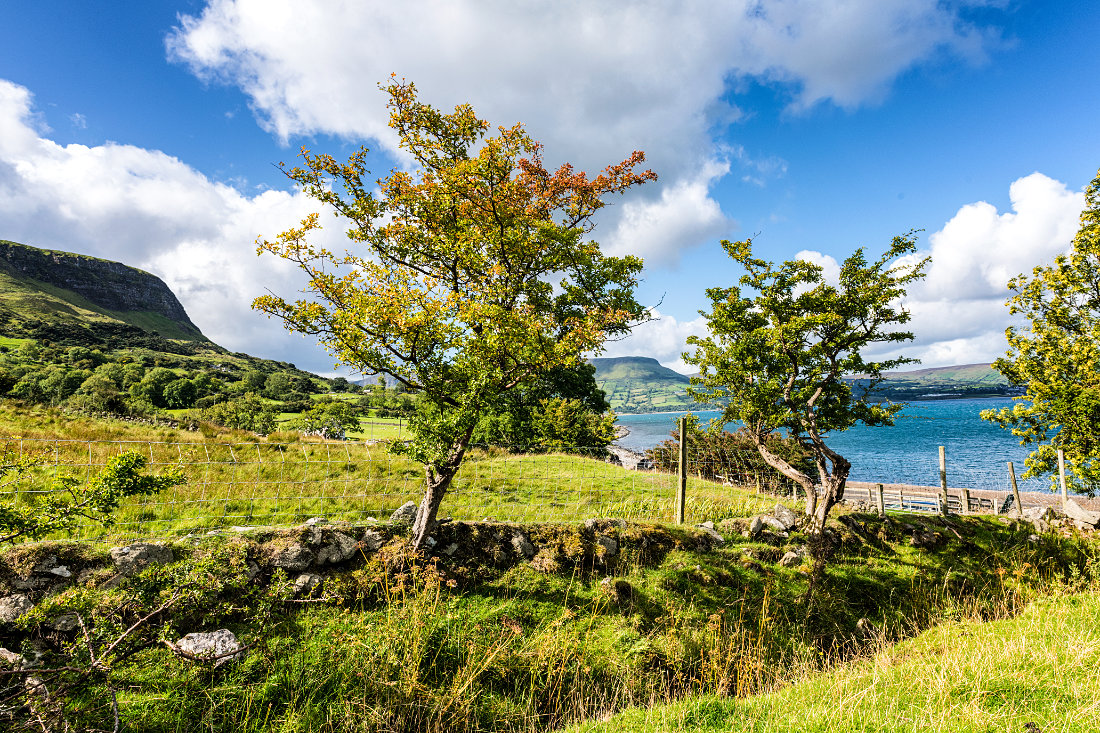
275,485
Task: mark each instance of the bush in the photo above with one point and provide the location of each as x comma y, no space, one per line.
243,413
731,457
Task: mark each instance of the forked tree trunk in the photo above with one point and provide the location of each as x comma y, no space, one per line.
832,483
800,478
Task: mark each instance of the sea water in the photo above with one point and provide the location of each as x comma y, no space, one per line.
907,452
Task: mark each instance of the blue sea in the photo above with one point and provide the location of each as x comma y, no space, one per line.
907,452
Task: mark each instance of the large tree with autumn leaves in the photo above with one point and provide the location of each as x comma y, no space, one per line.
468,275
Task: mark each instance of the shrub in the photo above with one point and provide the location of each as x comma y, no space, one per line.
732,457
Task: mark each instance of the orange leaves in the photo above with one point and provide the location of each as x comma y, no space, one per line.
473,273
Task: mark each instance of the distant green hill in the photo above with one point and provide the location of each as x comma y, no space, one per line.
967,380
72,298
640,384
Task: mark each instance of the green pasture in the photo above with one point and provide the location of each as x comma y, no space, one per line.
261,483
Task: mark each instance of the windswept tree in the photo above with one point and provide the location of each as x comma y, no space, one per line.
469,275
776,359
1057,358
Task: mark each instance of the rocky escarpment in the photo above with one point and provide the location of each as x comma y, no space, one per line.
109,285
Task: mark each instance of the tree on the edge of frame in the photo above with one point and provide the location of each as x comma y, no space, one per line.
777,360
1057,358
468,276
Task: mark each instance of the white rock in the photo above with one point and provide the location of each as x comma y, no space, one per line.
405,514
221,646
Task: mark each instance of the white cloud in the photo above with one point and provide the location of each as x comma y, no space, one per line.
958,310
594,81
830,268
683,216
152,211
662,338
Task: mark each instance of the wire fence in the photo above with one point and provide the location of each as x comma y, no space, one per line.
261,484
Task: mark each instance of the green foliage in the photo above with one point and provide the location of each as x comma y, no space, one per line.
67,501
328,418
473,277
714,453
248,412
152,385
99,393
562,408
1057,358
776,361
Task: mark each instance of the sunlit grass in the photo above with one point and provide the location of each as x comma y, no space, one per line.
1040,668
237,479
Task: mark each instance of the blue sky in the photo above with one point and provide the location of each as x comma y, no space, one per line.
148,132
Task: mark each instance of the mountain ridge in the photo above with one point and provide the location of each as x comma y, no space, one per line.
58,293
642,384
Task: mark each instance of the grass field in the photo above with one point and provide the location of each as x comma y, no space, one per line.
237,479
671,634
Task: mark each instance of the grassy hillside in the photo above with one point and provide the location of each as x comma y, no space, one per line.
967,380
640,384
483,637
1034,672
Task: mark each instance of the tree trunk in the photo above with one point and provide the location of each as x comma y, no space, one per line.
789,471
833,484
437,479
436,485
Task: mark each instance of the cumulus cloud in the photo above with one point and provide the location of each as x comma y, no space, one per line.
683,216
152,211
594,81
958,310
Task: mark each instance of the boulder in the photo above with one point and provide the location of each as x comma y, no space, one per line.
523,546
134,558
755,526
708,529
776,524
11,658
593,524
341,549
372,540
1038,516
306,583
610,545
293,558
220,646
405,515
786,516
790,559
1083,518
14,606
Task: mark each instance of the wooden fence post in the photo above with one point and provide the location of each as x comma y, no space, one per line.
1062,476
943,479
881,502
681,490
1015,490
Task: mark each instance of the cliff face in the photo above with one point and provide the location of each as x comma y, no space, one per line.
110,285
